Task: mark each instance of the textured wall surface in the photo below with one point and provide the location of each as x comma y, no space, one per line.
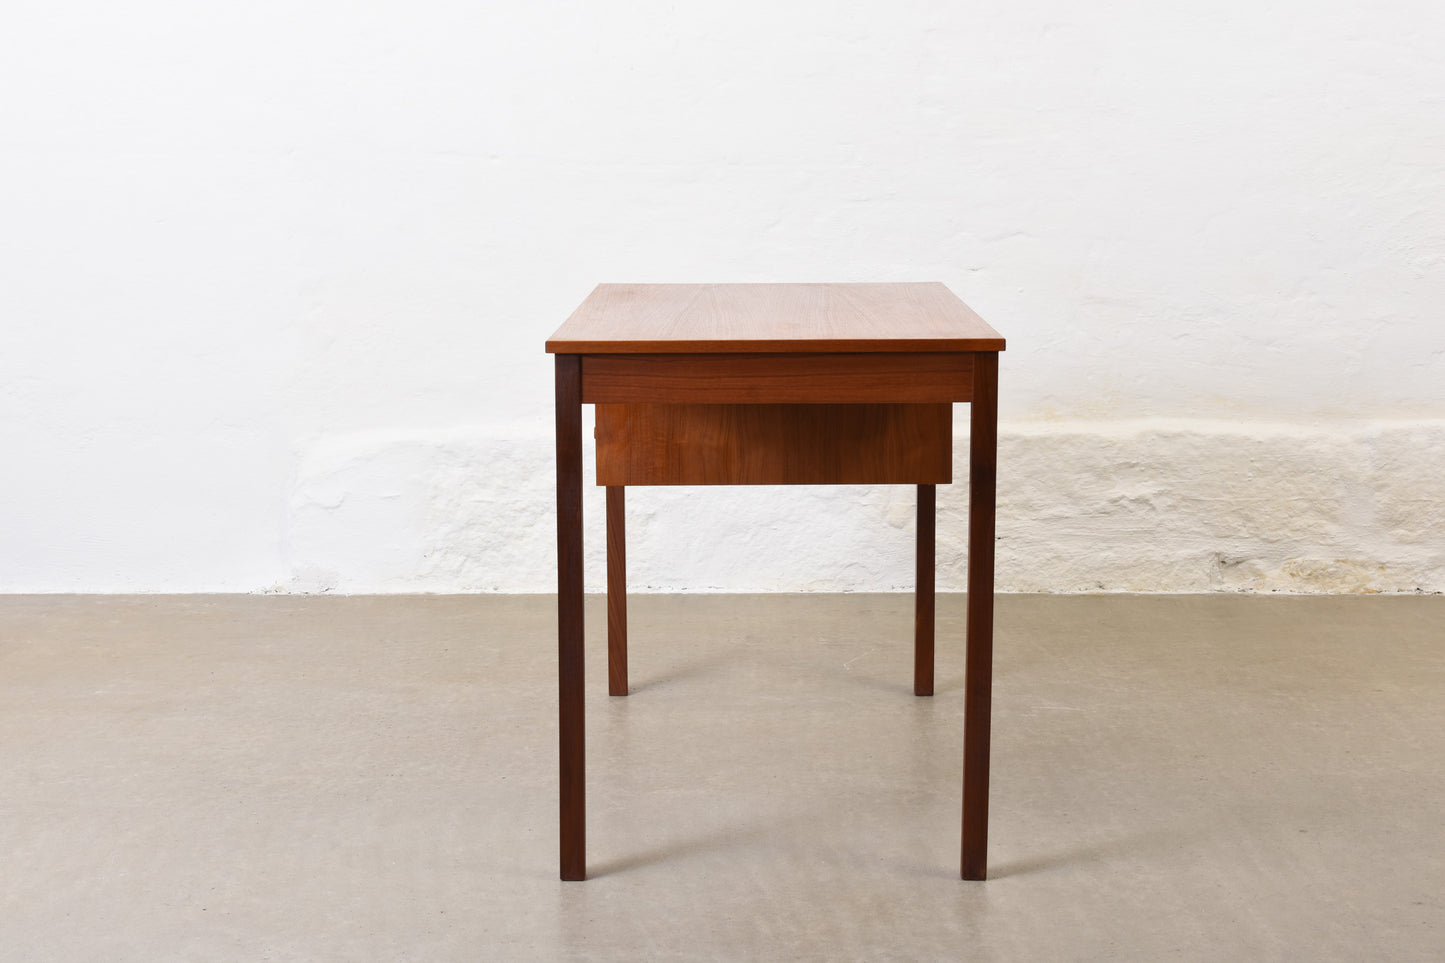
1184,506
275,278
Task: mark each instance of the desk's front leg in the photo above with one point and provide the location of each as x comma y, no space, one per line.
570,691
978,675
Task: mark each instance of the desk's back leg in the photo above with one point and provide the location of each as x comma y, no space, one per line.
570,705
978,673
923,595
616,592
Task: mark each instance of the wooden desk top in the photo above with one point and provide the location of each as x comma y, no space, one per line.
772,318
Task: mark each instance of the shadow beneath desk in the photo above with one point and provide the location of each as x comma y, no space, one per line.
1132,846
726,837
707,665
901,684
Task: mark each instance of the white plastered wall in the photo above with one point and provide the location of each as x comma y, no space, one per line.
275,278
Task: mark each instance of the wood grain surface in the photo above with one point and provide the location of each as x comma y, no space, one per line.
774,444
571,707
777,378
978,662
772,318
616,591
923,596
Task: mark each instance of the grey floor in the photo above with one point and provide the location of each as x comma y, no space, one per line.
373,778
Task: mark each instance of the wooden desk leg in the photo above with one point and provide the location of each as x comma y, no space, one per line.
616,592
978,675
570,709
923,596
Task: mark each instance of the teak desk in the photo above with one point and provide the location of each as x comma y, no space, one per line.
775,384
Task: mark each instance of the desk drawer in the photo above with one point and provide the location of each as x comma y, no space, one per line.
806,444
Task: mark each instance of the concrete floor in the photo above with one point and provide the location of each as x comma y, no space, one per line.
373,778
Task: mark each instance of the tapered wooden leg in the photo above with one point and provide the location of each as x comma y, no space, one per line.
616,592
570,717
923,595
978,675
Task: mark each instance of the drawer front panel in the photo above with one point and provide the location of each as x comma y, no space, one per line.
775,444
